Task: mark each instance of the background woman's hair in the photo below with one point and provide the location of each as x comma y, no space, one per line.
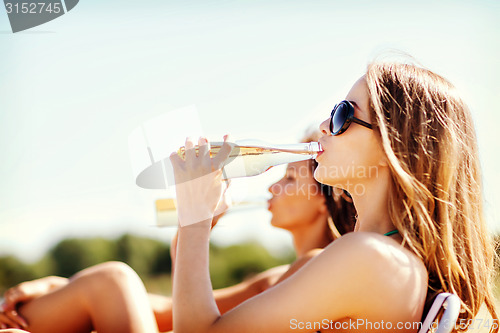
339,203
436,202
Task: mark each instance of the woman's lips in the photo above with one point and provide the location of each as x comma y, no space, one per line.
320,152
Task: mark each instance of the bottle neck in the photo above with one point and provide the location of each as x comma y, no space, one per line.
309,148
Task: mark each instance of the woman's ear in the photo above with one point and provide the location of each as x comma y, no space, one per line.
383,161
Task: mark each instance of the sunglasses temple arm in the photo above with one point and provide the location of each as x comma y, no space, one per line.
361,122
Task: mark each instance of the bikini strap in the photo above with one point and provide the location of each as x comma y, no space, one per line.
390,233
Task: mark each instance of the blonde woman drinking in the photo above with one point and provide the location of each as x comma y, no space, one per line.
403,145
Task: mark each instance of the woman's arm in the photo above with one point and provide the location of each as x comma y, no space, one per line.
162,309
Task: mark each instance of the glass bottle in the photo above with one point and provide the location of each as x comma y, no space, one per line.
252,157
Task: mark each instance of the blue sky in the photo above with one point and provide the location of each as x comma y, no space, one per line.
73,89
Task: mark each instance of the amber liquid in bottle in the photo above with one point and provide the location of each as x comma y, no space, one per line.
253,157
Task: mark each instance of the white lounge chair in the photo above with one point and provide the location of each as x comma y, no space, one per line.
443,314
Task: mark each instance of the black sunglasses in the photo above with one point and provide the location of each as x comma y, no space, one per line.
342,116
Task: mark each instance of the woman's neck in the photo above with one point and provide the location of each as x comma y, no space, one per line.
372,204
313,235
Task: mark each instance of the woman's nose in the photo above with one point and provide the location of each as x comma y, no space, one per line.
270,189
325,127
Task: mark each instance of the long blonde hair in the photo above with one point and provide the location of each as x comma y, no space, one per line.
428,136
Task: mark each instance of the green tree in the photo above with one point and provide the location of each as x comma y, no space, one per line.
231,265
146,256
74,254
13,271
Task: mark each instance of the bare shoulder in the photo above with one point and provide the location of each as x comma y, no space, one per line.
385,273
359,276
383,257
377,249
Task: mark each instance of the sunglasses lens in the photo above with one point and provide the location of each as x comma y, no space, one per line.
339,117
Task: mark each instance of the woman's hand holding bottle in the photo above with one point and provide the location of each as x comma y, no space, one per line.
198,178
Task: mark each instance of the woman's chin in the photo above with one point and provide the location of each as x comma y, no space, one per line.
278,224
321,175
274,223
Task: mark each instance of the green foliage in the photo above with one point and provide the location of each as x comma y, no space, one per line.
13,271
72,255
146,256
44,267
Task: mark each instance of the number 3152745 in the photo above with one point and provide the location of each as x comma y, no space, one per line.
33,8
